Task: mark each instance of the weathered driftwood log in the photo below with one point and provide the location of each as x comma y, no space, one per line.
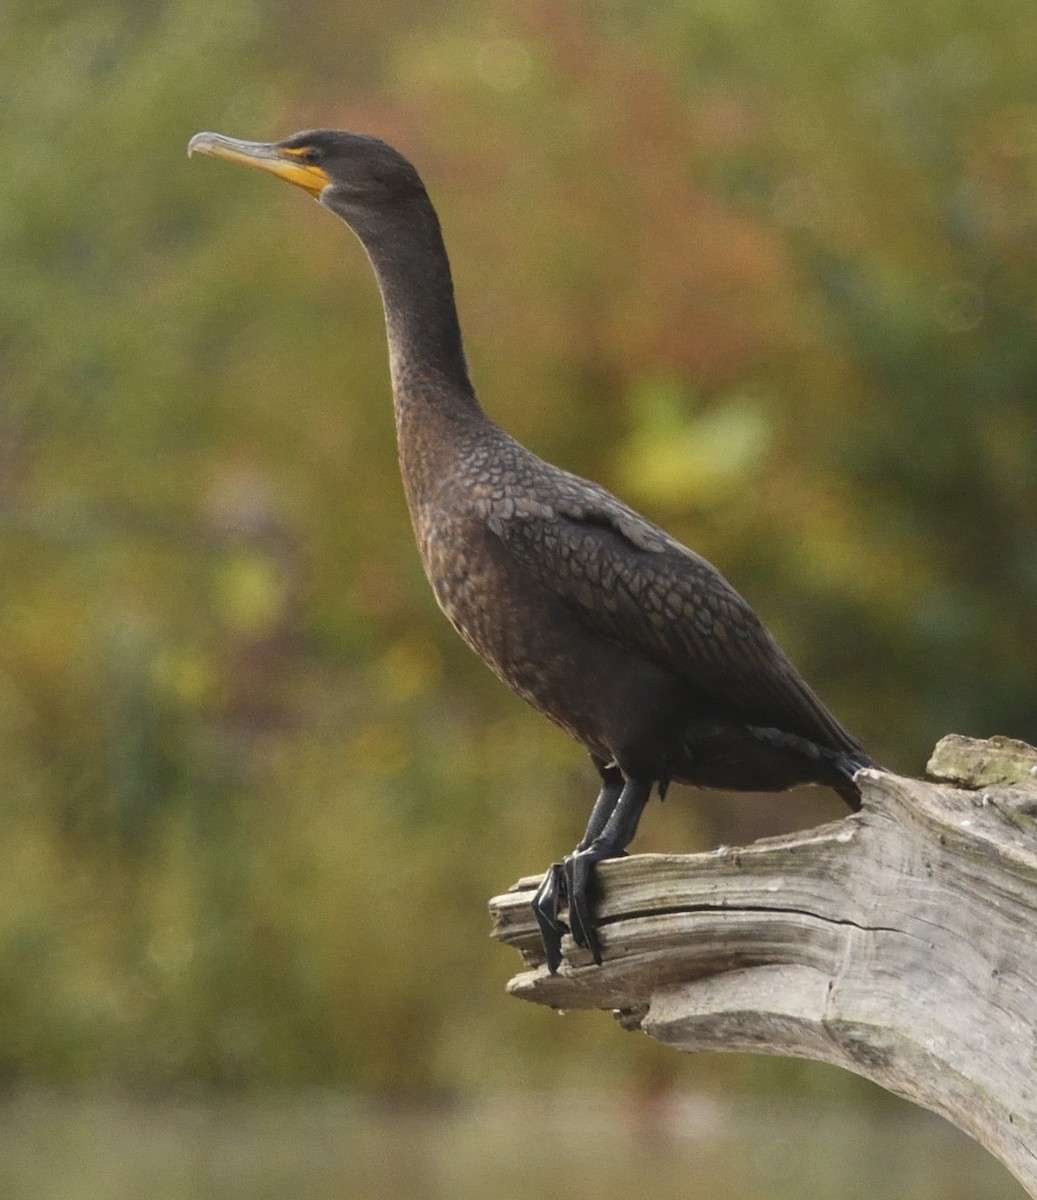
900,943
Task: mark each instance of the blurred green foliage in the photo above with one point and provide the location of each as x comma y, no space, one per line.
770,271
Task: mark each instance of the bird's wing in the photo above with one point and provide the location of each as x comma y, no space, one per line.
634,584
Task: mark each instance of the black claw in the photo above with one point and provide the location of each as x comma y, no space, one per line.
546,904
579,869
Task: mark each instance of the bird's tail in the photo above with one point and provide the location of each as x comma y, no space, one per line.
844,763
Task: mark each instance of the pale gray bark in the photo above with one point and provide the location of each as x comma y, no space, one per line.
899,943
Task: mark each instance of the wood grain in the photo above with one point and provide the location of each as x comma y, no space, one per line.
899,943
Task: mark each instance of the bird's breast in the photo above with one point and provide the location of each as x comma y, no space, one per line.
474,585
503,616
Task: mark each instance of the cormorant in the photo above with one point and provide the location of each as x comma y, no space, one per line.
633,644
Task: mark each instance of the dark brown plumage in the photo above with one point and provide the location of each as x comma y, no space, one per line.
633,644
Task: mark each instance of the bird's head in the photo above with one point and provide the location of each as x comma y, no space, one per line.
345,171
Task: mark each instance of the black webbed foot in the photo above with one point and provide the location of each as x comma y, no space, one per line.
567,884
579,872
572,879
548,900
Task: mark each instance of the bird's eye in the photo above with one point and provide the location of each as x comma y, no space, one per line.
311,155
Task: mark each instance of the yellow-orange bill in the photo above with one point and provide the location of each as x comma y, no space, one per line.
264,156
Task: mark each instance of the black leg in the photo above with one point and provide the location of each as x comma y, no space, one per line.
611,842
611,789
551,894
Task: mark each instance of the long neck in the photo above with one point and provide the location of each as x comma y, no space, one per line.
426,355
